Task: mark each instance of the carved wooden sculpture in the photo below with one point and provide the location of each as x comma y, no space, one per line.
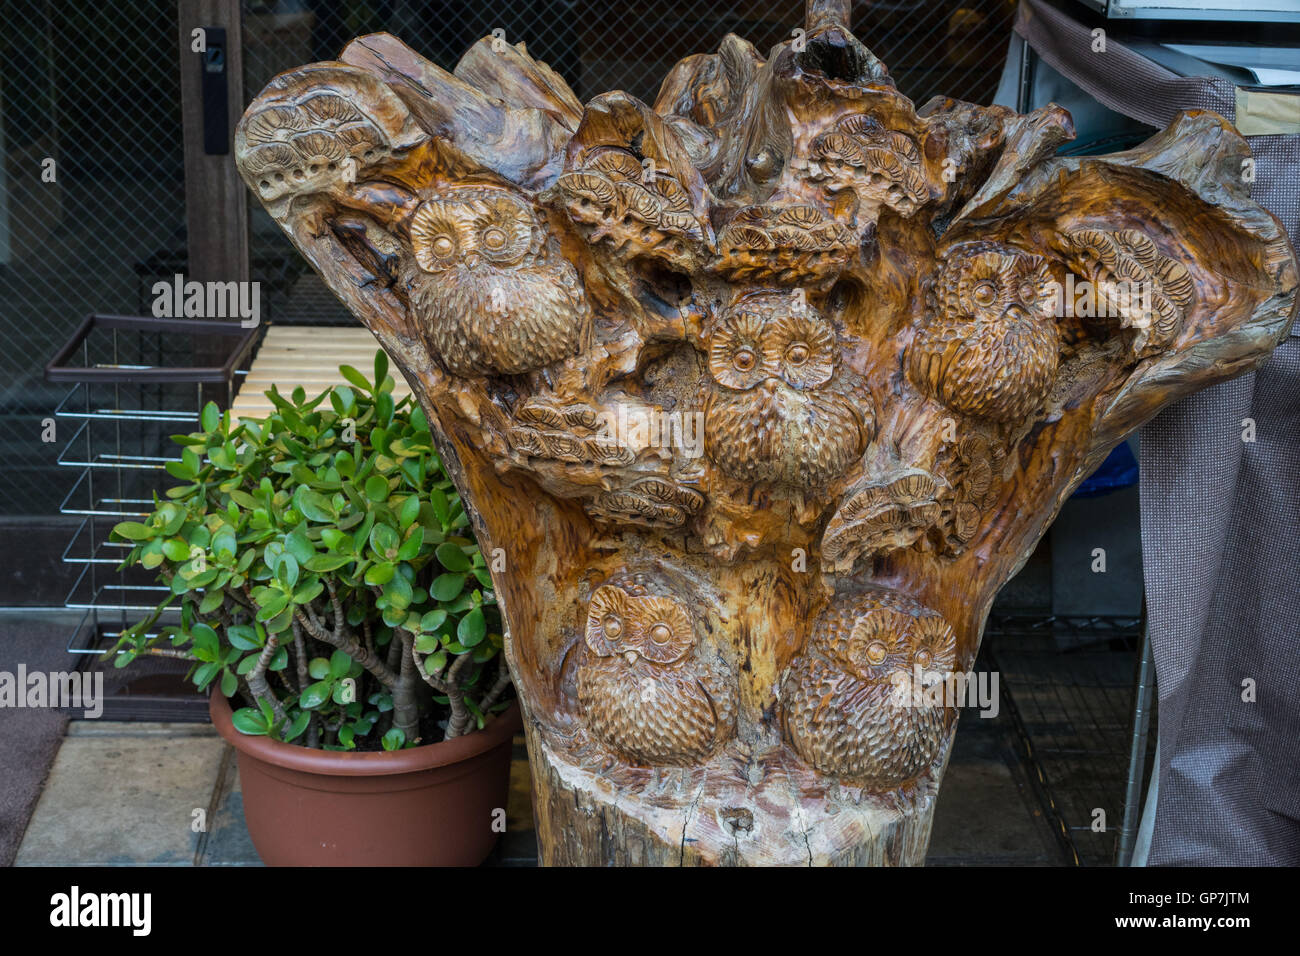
724,639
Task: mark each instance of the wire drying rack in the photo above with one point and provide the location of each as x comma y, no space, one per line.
135,381
1078,692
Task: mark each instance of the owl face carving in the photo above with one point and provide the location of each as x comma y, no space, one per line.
980,283
487,297
990,348
656,628
647,689
445,232
849,701
772,412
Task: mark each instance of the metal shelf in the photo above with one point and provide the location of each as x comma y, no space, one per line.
135,382
1068,684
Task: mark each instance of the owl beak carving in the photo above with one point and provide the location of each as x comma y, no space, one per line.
471,259
631,656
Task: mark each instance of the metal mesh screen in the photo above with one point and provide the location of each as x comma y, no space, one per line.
93,87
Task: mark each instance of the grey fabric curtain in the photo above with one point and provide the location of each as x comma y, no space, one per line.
1220,494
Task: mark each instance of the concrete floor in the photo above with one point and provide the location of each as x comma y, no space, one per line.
122,794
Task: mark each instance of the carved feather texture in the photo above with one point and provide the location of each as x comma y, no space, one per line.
771,411
646,687
989,349
847,702
535,320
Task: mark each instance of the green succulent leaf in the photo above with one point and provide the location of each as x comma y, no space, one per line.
313,505
249,721
472,628
451,557
339,664
377,488
315,694
356,378
446,587
385,541
297,726
133,531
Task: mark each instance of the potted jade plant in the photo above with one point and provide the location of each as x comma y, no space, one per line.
332,598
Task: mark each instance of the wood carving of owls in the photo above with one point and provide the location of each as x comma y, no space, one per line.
760,393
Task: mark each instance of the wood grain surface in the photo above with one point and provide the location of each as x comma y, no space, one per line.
762,392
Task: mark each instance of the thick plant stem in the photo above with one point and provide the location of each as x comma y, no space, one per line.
447,683
406,709
257,679
349,645
300,655
498,687
458,722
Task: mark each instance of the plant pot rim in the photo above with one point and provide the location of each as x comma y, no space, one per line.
342,764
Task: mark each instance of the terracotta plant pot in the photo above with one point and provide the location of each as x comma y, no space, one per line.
427,806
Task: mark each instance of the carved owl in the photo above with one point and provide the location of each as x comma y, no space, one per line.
487,297
850,704
772,412
648,690
990,348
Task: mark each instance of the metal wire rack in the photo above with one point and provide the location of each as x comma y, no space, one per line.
1068,685
134,381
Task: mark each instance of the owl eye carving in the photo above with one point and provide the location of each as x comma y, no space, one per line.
647,688
664,633
799,427
435,236
933,645
737,358
806,350
506,228
487,297
842,707
606,614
